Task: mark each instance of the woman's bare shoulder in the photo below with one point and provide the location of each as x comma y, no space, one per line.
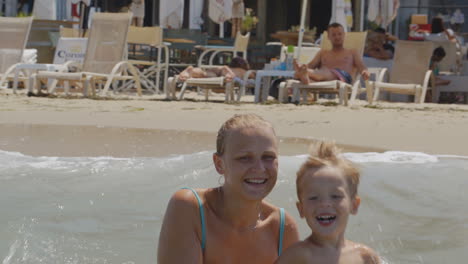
184,199
291,234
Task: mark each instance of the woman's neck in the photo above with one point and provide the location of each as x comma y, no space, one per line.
240,214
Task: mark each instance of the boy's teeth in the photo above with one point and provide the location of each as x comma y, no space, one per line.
326,218
258,181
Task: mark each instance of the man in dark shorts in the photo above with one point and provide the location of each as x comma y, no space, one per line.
335,64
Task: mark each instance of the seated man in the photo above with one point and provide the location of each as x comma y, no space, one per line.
334,64
235,71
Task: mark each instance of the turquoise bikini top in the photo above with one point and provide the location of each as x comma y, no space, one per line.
203,226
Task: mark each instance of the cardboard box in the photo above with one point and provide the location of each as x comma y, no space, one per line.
418,19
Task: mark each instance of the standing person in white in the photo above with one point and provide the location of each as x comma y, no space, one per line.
138,10
238,12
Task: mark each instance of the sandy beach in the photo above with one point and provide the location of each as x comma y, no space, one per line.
429,128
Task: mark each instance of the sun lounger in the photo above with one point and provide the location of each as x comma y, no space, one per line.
14,33
410,73
152,38
240,46
105,61
353,40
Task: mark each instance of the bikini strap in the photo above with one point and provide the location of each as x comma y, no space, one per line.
202,217
281,231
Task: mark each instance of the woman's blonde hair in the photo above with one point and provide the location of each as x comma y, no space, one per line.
236,122
326,154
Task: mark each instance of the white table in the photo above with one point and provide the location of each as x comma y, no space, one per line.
458,83
266,75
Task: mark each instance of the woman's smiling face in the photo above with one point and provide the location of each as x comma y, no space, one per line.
250,162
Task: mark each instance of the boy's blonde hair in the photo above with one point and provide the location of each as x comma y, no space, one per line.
327,154
236,122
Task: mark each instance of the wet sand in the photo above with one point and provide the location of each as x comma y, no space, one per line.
86,141
148,126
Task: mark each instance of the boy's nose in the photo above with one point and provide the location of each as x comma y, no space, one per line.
325,203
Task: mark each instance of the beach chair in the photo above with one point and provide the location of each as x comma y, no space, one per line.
241,44
353,40
233,91
66,32
410,73
152,38
307,54
105,61
202,83
14,34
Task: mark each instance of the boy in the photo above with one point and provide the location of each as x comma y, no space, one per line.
327,191
437,56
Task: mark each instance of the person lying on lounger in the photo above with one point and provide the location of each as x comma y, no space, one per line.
235,71
335,64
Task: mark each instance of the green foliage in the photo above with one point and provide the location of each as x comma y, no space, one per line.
249,21
22,14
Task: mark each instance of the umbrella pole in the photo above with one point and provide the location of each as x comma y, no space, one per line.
81,24
221,30
301,29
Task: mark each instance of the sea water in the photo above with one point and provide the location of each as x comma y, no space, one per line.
110,210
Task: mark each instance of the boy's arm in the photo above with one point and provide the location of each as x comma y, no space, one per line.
362,69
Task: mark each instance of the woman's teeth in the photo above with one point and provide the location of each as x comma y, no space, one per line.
256,181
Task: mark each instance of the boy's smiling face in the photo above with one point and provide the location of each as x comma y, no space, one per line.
325,201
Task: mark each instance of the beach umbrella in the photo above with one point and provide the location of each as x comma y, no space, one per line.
342,13
196,10
171,13
382,12
220,11
45,9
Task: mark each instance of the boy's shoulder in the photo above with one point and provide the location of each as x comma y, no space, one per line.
300,252
367,254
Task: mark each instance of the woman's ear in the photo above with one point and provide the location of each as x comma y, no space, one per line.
355,205
218,163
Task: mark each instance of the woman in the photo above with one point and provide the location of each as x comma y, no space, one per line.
231,223
235,71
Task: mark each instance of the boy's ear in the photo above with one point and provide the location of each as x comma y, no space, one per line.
355,205
218,163
299,208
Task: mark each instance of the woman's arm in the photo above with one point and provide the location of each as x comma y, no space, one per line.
180,236
291,234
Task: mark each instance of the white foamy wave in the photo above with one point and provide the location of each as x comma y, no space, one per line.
392,157
453,157
12,160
